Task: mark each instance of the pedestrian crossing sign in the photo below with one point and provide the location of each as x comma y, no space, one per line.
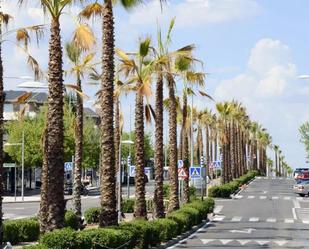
195,172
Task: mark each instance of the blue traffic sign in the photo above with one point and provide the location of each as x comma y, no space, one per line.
195,172
217,164
68,166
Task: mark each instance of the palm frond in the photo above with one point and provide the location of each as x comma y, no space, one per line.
92,10
83,37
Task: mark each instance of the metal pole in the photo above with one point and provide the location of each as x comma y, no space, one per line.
15,185
119,185
129,164
192,142
22,165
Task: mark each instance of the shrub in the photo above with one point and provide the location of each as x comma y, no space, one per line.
127,205
106,237
166,191
168,229
225,190
193,214
35,247
23,230
146,233
60,239
71,220
92,215
181,219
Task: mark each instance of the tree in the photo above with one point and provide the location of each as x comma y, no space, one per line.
138,70
22,35
80,67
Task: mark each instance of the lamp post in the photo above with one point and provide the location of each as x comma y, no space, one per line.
130,142
22,144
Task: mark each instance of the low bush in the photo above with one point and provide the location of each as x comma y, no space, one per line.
71,220
225,190
181,219
15,231
127,205
166,191
92,215
168,229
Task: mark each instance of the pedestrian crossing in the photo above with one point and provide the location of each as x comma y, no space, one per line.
265,197
269,243
222,218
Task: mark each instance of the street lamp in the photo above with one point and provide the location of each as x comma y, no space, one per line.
22,144
130,142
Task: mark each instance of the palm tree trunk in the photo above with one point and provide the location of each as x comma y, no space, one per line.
77,205
2,97
108,181
185,146
117,140
140,202
276,161
173,171
55,129
159,156
207,143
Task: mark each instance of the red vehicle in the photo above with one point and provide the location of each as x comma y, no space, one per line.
303,175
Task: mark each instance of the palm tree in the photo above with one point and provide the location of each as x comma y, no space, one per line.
80,66
276,150
22,35
138,69
108,181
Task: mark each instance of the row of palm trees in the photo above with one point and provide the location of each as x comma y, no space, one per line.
151,66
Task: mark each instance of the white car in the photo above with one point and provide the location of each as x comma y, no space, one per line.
302,187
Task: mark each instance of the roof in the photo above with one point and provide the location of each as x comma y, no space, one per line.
38,97
90,113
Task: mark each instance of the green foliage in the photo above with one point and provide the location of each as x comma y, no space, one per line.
92,215
166,190
181,219
145,232
148,146
33,129
168,229
304,133
225,190
127,205
24,230
71,220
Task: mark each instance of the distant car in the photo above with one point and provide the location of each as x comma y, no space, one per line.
302,187
299,171
302,175
132,179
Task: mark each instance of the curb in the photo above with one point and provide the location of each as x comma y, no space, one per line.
183,236
240,190
30,201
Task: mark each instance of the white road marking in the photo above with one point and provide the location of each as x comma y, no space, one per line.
289,221
263,197
225,241
251,197
294,213
206,241
299,198
247,231
280,242
219,218
265,192
243,241
287,197
262,242
254,219
218,209
272,220
275,198
305,221
236,219
238,196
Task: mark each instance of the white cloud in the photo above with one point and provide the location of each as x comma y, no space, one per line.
195,12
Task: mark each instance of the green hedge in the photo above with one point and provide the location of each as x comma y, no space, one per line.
92,215
136,234
28,230
225,190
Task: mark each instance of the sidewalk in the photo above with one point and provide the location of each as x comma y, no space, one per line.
34,198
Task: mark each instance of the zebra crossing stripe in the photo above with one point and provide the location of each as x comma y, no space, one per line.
251,197
219,218
272,220
289,221
275,198
254,219
236,219
263,197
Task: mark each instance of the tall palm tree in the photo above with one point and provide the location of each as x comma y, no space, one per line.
276,150
81,65
108,181
138,70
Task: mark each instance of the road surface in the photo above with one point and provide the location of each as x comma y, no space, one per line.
265,215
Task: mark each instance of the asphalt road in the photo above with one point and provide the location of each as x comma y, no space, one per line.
265,215
27,209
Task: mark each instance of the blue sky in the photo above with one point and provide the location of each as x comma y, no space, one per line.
253,50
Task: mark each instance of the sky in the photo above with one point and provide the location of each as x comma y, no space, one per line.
253,51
